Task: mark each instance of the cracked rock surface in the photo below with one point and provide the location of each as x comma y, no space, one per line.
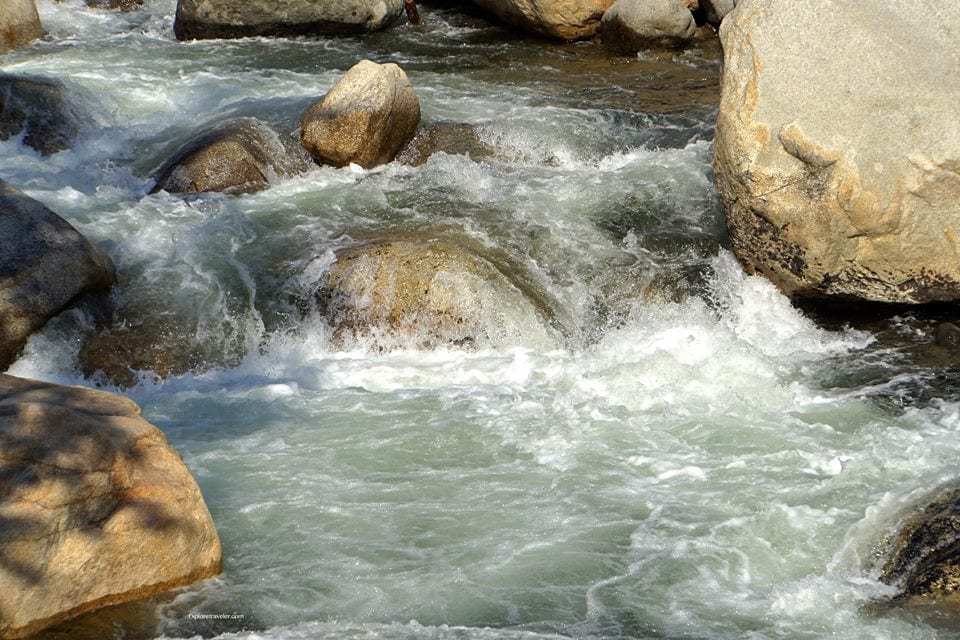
837,151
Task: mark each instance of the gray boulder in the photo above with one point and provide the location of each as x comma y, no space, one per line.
19,24
239,156
40,110
115,5
561,19
45,266
630,26
198,19
837,151
366,118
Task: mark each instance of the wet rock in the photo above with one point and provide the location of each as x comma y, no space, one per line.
839,176
39,109
630,26
366,118
561,19
96,507
714,11
198,19
947,334
924,558
19,24
240,156
116,5
453,138
120,354
431,292
45,266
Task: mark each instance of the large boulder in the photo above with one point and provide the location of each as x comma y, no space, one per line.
366,118
426,292
197,19
39,109
19,24
561,19
630,26
239,156
837,150
96,508
924,554
45,265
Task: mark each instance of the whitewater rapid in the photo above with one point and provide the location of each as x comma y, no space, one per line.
707,463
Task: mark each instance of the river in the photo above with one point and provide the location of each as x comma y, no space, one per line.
699,459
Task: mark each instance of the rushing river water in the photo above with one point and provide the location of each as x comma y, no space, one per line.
711,465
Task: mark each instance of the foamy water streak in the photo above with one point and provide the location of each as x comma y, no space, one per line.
695,459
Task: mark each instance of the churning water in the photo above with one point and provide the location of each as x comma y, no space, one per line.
692,457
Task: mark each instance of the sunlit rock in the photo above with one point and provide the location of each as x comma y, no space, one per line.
432,292
96,507
198,19
19,24
365,119
240,156
562,19
45,265
630,26
837,156
39,110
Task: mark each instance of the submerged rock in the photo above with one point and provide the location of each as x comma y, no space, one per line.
96,507
562,19
115,5
120,354
45,266
39,109
840,176
630,26
239,156
454,138
426,293
197,19
366,118
924,557
19,24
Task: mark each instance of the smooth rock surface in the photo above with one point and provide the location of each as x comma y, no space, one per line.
40,110
197,19
239,156
630,26
45,266
96,508
840,175
19,24
366,118
562,19
430,292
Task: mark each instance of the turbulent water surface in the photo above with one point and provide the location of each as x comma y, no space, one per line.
691,457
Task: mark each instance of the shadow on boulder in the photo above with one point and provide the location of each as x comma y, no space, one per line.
40,110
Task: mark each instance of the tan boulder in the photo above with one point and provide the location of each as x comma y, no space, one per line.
454,138
366,118
96,508
837,150
19,24
630,26
239,156
430,292
45,265
561,19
